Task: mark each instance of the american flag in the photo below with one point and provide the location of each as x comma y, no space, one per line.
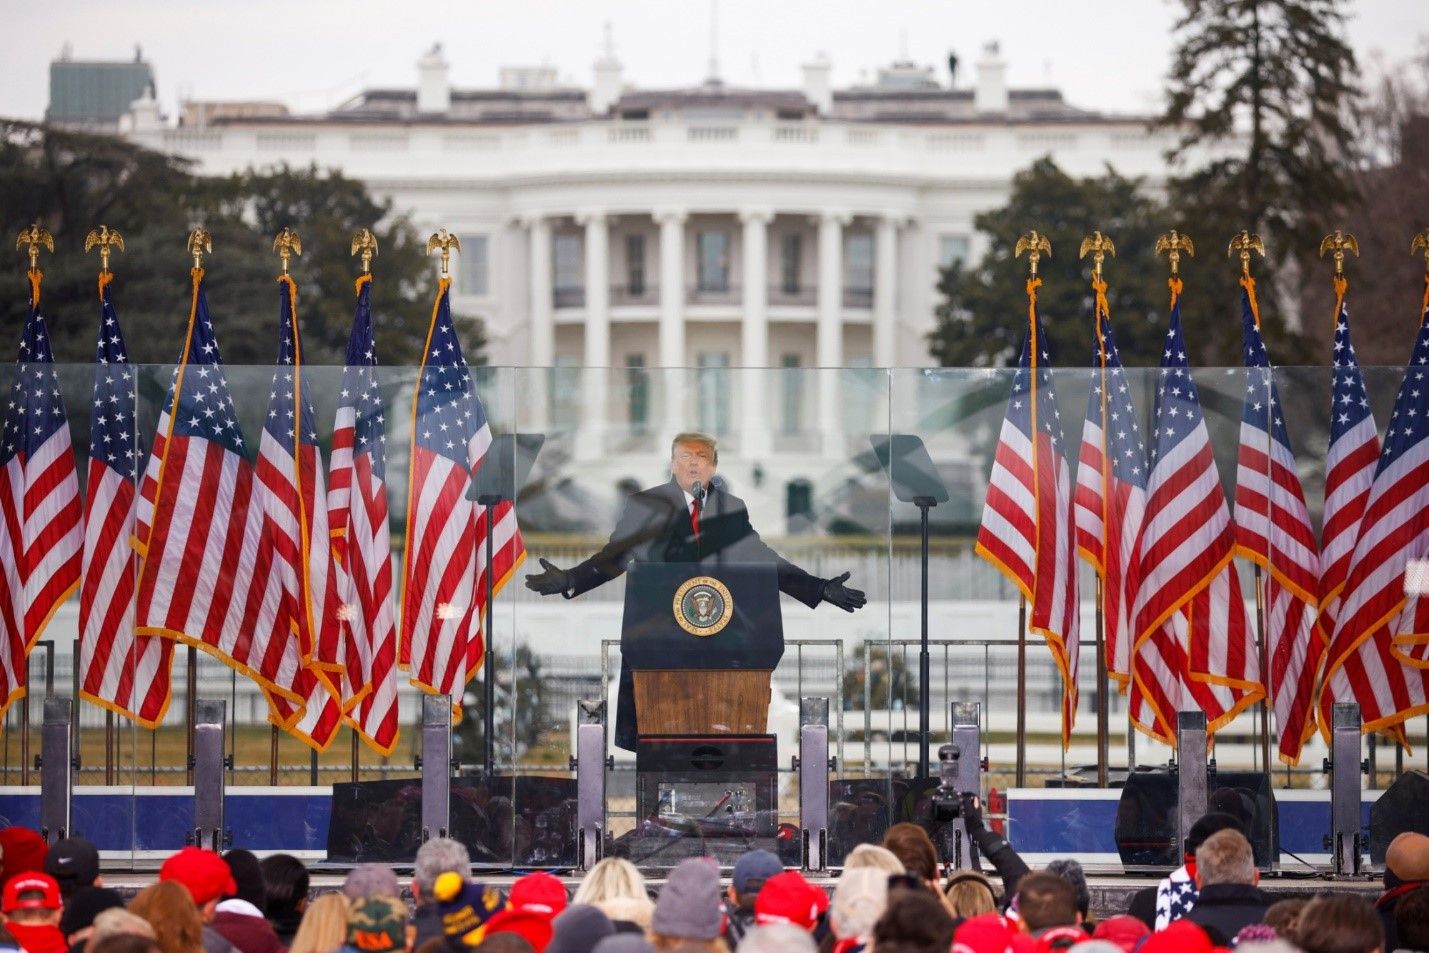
1027,528
1111,492
119,671
444,560
206,573
1349,470
1193,645
362,547
1364,662
291,494
40,534
1273,531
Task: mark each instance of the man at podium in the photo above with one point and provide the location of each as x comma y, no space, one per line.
690,519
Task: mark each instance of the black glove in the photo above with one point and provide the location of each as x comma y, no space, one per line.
845,597
550,582
972,813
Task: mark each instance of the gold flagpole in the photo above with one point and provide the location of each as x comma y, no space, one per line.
1035,245
105,239
1099,246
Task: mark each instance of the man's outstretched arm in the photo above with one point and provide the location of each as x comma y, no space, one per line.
638,524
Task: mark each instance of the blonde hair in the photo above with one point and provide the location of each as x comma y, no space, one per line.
170,910
612,878
117,921
872,855
637,910
859,900
324,925
971,894
699,440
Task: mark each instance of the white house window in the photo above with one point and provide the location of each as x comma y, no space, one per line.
713,261
858,269
565,390
952,248
713,386
472,272
637,378
791,395
791,256
635,265
567,261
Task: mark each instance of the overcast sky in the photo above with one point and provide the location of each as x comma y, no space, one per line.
313,54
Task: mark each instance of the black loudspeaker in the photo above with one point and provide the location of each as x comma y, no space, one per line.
712,786
1146,816
1403,807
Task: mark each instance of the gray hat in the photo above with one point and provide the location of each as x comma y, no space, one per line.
579,929
1071,871
689,906
370,880
623,943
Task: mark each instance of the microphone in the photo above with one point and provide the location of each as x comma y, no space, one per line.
697,490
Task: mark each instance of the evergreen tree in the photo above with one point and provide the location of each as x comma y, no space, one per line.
70,182
1265,89
983,317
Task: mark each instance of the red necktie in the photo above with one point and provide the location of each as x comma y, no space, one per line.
695,516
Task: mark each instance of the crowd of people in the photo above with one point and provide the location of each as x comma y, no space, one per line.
890,898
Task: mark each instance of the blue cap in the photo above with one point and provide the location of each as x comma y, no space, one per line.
753,868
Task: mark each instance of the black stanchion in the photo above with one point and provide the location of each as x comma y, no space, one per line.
503,471
915,480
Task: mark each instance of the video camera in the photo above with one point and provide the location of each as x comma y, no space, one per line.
947,799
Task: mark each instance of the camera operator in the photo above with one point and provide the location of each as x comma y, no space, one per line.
993,846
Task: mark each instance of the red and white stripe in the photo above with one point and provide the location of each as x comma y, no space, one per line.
445,646
120,671
41,544
362,548
1273,530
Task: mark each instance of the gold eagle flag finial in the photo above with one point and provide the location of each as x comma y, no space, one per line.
1339,243
1098,246
365,242
1174,244
446,241
1420,243
1036,245
106,239
35,236
1243,244
199,243
287,244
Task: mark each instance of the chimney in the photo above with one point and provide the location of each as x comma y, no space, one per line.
143,115
434,88
606,90
990,96
817,87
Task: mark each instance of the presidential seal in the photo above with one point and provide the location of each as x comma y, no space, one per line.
703,606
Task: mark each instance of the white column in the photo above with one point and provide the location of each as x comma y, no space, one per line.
542,322
597,289
543,326
828,348
754,334
590,443
672,287
885,283
673,359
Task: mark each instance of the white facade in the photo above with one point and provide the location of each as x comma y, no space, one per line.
699,228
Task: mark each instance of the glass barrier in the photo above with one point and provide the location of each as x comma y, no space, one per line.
806,452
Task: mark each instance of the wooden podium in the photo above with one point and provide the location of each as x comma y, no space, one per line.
702,701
